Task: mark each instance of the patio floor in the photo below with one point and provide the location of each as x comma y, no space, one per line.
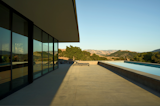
91,85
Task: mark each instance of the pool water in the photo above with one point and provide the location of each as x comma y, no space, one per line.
142,68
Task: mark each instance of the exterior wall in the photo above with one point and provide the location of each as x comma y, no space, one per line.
26,51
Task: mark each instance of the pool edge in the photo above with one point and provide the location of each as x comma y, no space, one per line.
149,80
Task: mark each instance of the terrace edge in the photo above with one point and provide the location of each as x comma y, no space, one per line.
149,80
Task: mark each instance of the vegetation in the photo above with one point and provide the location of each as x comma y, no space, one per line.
123,54
4,59
153,57
77,54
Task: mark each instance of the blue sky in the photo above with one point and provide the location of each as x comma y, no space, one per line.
118,25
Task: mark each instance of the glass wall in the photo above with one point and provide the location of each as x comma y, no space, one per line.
37,52
14,51
55,54
5,56
50,53
19,51
45,54
42,52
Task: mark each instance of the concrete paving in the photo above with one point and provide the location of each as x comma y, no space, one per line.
83,86
40,92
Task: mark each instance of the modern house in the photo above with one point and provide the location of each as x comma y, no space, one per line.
30,31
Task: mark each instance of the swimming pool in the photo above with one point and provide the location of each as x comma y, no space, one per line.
138,67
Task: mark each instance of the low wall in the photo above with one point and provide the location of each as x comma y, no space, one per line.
149,80
90,62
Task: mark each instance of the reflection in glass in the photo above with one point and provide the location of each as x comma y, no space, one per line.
50,53
37,53
45,53
5,72
19,51
55,54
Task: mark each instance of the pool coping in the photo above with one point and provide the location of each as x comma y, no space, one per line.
149,80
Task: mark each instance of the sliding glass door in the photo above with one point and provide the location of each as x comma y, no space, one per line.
37,52
50,53
55,54
5,50
19,51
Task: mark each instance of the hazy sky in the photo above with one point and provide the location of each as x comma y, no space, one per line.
118,25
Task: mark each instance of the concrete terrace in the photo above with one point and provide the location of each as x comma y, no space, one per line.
91,85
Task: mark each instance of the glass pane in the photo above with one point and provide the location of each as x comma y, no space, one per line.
50,53
45,53
37,53
19,51
55,54
5,66
4,17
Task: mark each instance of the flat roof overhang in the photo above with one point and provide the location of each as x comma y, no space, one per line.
56,17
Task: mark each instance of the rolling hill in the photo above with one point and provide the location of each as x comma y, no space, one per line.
124,54
100,52
157,50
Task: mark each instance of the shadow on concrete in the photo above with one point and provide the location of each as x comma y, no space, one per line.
41,91
134,82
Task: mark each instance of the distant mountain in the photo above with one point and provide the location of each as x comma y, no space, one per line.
124,54
101,52
157,50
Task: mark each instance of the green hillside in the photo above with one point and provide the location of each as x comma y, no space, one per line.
153,57
124,54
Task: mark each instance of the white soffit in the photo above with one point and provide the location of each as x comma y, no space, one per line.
56,17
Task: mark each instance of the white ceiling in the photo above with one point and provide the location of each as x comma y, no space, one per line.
56,17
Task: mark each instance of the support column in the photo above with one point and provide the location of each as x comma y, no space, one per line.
30,52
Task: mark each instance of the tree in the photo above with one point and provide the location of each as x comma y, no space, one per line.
95,57
147,57
59,51
73,51
86,53
156,57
